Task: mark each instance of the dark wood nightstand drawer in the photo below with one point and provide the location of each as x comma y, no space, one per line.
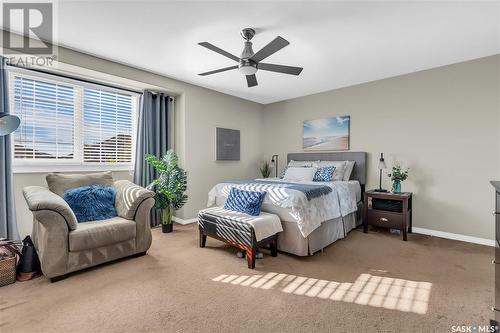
385,219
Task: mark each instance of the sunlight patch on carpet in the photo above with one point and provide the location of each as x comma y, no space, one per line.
371,290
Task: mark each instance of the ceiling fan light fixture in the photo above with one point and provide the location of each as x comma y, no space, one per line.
249,62
247,67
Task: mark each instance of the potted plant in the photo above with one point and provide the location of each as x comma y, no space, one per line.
169,187
398,175
265,169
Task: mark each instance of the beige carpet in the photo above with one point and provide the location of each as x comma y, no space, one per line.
365,283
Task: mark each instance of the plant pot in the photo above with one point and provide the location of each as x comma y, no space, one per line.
167,228
396,186
166,220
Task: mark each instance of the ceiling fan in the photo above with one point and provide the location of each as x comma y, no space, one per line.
249,62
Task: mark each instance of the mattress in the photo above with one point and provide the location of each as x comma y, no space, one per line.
286,213
291,203
354,184
323,232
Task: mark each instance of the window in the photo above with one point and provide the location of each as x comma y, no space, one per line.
107,127
69,123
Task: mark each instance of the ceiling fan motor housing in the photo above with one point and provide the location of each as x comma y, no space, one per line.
247,50
247,67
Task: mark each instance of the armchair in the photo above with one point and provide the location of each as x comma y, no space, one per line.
65,246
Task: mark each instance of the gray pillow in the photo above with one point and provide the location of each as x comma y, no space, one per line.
59,182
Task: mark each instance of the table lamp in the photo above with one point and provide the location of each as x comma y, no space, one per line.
274,159
381,166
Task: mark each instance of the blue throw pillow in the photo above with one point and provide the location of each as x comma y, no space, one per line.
245,201
91,203
324,174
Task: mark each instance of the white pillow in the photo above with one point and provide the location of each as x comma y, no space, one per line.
340,167
296,164
348,170
299,174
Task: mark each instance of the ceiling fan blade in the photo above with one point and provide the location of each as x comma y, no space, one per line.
218,50
280,68
251,80
274,46
219,70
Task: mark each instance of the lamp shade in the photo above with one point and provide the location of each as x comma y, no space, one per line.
381,162
8,123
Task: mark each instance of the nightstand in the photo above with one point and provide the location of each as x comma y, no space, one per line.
388,210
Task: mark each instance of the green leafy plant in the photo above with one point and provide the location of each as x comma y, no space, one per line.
265,169
398,173
170,184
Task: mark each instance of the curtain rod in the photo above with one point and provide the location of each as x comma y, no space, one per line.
84,80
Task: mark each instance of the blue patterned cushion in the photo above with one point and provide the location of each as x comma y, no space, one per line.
91,203
324,174
245,201
283,172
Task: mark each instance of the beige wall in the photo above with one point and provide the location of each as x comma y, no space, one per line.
442,123
197,112
210,110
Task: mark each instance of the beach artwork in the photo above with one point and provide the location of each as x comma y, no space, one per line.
327,133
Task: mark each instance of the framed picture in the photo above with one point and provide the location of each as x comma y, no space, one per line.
227,144
326,134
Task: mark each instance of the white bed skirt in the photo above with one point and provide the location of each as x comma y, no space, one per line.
292,241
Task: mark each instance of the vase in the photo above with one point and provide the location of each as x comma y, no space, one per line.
166,220
396,186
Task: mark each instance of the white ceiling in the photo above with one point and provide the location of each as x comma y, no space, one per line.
338,43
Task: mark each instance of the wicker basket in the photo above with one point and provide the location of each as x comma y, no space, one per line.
7,270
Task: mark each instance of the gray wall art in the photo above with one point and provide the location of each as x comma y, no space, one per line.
227,144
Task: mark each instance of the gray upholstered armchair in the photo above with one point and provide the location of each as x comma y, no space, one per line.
65,246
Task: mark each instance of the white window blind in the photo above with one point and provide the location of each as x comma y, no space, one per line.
69,122
47,112
107,130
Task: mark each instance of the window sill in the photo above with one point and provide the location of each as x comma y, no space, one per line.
41,168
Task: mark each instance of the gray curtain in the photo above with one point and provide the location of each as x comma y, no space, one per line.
152,138
8,225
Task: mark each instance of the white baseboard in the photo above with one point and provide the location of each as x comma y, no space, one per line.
181,221
423,231
449,235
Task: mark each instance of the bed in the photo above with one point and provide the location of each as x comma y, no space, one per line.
313,224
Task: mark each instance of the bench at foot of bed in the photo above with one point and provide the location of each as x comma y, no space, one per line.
236,229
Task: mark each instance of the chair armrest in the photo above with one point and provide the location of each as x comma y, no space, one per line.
129,197
50,235
142,220
41,198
